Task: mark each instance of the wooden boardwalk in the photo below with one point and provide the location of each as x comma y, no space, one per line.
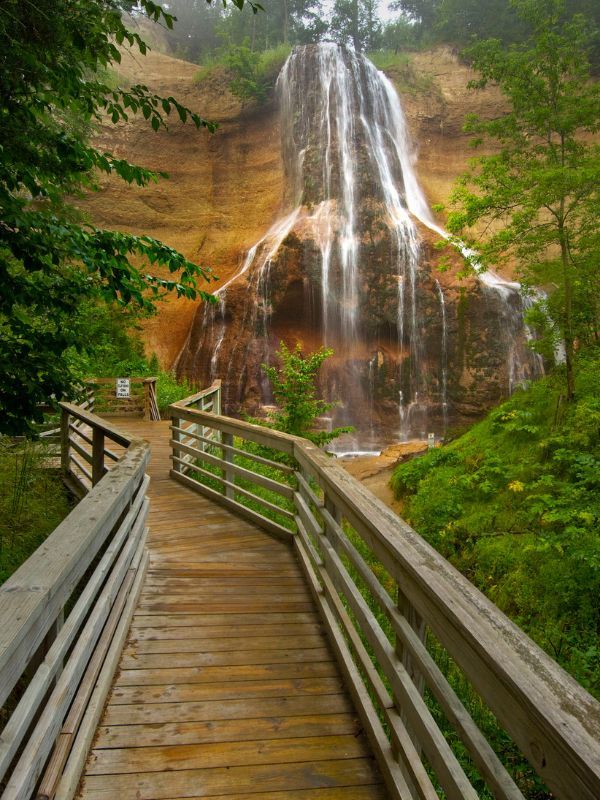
226,687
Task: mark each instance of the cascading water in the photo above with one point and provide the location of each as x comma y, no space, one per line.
349,266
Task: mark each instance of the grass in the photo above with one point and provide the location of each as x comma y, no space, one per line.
33,501
399,67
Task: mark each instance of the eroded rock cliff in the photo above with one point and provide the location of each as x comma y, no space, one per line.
434,349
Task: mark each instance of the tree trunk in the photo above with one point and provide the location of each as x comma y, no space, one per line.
355,32
286,21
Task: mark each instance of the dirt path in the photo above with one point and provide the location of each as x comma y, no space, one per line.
375,472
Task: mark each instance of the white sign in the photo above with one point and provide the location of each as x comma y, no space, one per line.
431,440
123,389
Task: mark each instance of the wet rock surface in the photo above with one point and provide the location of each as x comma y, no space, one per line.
352,264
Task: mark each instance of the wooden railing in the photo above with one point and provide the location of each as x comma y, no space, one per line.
422,650
206,458
65,613
142,399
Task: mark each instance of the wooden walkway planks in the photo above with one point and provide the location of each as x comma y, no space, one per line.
226,688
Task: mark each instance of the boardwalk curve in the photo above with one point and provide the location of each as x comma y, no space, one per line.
226,686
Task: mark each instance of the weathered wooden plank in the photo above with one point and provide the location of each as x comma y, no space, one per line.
195,692
185,606
292,705
255,672
243,644
234,730
174,586
21,718
228,658
276,584
141,620
229,754
370,792
31,599
221,636
194,783
74,767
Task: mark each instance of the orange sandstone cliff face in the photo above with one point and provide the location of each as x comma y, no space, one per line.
225,189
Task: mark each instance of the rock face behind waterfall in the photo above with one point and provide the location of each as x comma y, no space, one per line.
351,264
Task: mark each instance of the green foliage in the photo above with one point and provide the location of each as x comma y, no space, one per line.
170,389
252,73
247,83
356,23
515,505
294,386
32,502
56,74
113,347
289,22
399,68
539,193
460,22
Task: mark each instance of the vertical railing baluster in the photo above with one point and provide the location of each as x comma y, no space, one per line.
97,455
176,423
65,442
147,408
415,620
228,458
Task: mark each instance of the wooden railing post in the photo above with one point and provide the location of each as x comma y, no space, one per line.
97,455
217,398
176,436
147,411
227,439
65,444
416,623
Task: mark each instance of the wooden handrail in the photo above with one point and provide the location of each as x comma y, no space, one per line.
59,659
549,716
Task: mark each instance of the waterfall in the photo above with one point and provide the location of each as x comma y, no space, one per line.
345,266
360,129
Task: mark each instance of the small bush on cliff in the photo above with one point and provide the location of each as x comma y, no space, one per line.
294,386
252,74
515,505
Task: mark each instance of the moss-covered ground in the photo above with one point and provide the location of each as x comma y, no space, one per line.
514,504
